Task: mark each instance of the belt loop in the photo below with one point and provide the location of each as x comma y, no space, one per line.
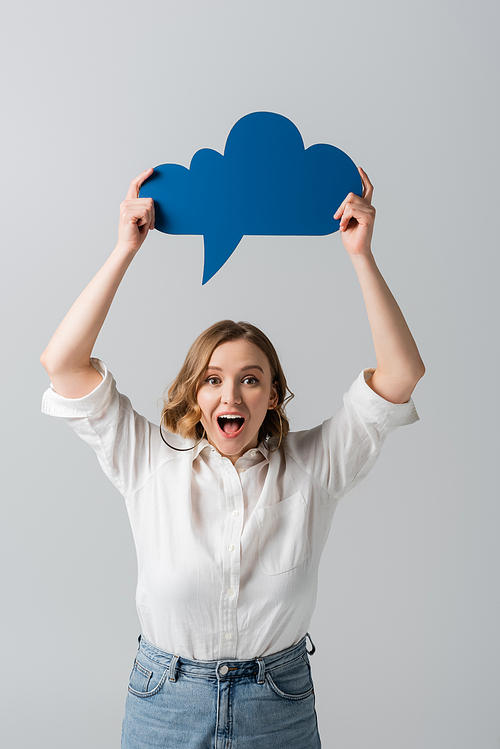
172,676
313,646
262,671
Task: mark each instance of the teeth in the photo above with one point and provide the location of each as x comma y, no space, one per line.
230,416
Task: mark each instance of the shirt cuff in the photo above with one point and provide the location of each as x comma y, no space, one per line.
376,408
54,404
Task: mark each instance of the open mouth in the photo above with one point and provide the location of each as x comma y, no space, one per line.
230,425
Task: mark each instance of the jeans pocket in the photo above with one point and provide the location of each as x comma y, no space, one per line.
147,677
291,681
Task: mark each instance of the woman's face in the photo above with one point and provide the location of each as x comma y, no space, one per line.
235,395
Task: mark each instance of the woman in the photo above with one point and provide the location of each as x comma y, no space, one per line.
230,511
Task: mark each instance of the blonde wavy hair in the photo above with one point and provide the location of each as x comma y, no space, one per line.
181,413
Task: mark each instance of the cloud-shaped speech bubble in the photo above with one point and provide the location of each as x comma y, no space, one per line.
265,183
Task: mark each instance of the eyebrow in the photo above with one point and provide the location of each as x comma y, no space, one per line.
243,369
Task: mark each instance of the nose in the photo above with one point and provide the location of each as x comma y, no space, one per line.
231,393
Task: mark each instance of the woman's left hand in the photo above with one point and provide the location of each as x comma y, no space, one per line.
357,216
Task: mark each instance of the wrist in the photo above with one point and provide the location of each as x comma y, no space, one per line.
125,250
361,260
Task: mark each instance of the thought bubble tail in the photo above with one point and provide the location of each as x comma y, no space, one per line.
218,249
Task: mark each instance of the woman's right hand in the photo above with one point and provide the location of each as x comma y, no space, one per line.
137,215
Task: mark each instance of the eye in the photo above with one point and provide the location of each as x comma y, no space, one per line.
212,380
251,380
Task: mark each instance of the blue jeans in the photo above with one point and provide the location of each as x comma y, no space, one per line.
177,703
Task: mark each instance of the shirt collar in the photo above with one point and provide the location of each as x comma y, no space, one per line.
250,455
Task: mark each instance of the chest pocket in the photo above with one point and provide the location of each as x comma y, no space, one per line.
283,541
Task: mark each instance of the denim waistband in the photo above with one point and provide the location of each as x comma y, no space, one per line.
225,668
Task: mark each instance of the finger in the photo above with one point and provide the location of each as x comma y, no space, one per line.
138,211
135,185
362,214
367,185
146,217
342,206
351,198
346,217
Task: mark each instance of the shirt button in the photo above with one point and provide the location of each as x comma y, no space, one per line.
230,592
228,635
253,453
236,513
223,670
231,547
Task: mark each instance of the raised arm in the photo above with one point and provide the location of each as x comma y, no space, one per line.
399,366
67,356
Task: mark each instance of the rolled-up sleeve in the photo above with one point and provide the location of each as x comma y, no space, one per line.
124,441
376,409
54,404
343,450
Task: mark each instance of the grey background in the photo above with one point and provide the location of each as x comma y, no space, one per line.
408,616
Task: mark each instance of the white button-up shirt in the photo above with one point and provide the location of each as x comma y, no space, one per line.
228,554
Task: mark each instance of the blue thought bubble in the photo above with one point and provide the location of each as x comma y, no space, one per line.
265,183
